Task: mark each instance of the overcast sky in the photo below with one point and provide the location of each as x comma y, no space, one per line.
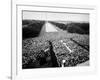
56,16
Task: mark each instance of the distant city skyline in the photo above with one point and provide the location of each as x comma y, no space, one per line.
76,17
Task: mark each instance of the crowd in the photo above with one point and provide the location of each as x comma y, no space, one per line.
48,50
37,53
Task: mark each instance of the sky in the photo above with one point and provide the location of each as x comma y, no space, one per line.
77,17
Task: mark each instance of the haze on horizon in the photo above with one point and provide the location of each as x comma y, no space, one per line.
75,17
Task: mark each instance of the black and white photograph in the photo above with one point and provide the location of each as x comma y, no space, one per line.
52,40
55,39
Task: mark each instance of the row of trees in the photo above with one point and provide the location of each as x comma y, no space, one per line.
72,27
31,28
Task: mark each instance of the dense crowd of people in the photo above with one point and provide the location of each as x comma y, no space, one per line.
48,50
38,53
